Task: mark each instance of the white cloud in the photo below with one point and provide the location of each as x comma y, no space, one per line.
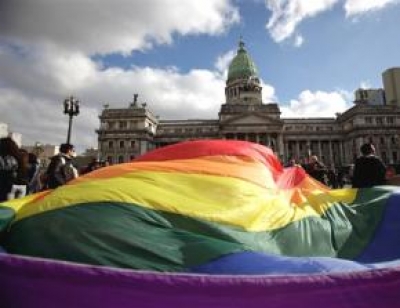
104,26
298,41
268,93
287,15
224,60
316,104
357,7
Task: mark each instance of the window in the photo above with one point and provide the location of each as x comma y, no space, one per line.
390,120
134,124
123,124
133,143
384,157
368,120
122,144
110,144
379,121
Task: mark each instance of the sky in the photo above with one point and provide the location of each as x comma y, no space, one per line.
311,56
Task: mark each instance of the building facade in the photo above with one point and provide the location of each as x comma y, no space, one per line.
126,133
370,96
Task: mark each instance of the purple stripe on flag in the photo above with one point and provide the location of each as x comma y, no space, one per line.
30,282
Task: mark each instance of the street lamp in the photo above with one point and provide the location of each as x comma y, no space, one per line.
71,107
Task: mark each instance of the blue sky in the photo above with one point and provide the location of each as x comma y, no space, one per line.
311,56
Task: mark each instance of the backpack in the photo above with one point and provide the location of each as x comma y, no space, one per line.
59,172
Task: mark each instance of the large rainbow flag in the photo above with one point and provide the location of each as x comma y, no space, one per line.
208,223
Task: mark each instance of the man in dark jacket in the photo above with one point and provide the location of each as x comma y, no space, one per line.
60,170
369,170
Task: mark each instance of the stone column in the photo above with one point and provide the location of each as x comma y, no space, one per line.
390,150
280,146
319,148
342,158
298,149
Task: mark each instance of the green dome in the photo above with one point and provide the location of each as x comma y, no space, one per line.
242,66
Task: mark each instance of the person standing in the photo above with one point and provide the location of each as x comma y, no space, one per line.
317,169
34,174
11,169
93,165
61,170
20,186
369,170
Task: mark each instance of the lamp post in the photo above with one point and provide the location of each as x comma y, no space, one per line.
71,108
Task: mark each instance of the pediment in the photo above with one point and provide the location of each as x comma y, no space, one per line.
251,119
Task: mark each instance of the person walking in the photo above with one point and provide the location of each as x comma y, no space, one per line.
369,170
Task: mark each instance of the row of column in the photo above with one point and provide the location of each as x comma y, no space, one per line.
332,155
271,140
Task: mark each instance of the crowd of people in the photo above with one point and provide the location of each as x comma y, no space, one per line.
367,171
329,176
20,172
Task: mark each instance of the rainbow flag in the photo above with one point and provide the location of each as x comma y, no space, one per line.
211,223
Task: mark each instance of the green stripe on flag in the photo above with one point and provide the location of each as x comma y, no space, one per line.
6,216
130,236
